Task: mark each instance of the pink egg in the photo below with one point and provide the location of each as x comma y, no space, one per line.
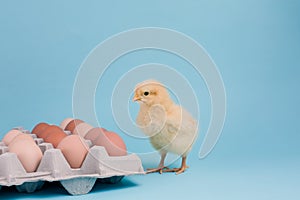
82,129
94,134
22,136
8,138
74,149
65,122
27,152
117,145
111,141
113,144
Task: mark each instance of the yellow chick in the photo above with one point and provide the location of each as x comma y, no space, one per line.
171,129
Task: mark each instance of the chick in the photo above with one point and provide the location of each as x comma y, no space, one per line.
171,129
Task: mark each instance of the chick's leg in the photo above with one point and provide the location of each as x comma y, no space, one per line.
179,170
183,166
161,165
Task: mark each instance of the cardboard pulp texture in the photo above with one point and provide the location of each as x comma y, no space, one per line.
54,167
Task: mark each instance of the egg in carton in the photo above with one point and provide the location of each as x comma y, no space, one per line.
54,167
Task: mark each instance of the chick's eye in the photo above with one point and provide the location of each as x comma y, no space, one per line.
146,93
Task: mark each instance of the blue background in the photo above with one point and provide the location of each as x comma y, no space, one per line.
255,44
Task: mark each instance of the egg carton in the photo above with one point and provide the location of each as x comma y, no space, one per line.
54,167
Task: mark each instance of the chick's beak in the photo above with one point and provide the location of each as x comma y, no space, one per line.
136,98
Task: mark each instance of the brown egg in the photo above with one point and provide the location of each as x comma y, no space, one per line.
94,134
39,128
82,129
113,144
8,138
48,130
111,141
27,152
65,122
72,124
54,134
74,149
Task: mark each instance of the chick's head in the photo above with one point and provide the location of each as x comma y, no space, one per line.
151,92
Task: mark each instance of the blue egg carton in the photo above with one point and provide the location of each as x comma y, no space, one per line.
54,167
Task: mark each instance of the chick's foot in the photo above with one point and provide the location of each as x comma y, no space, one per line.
178,170
158,169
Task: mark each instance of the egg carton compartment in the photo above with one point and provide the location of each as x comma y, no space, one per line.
54,167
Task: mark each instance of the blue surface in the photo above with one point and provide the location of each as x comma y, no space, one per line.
255,44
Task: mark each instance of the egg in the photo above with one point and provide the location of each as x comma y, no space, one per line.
72,124
53,134
10,136
111,141
39,128
94,134
48,130
113,144
22,136
27,152
65,122
82,129
74,149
